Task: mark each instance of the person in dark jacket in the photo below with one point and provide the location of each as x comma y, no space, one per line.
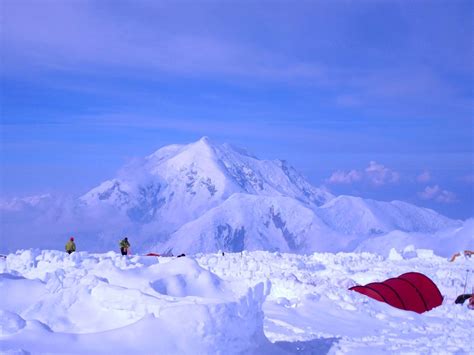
467,296
70,246
124,246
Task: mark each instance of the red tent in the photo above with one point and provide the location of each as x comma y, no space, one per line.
411,291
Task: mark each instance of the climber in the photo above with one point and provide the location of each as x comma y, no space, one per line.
466,253
466,297
124,246
70,246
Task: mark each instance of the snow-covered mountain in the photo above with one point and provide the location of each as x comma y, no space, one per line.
204,197
253,222
285,224
179,183
355,215
198,176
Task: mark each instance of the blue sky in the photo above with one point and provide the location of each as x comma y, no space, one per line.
372,98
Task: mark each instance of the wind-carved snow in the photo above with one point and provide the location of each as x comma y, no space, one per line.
106,303
237,303
204,197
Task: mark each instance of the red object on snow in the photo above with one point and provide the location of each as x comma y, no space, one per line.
153,254
470,305
412,291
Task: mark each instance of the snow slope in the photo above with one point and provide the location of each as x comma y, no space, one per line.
249,222
240,303
445,241
355,215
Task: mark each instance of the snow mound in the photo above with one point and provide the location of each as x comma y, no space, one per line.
10,323
176,280
93,299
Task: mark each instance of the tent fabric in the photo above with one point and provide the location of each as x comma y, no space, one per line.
411,291
413,300
369,292
388,293
152,254
426,287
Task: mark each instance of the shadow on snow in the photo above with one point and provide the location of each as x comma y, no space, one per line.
314,346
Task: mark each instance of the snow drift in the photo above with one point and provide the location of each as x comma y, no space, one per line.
239,303
101,303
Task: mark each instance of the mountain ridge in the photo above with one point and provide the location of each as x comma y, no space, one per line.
204,196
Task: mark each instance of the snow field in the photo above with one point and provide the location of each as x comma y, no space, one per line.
309,301
237,303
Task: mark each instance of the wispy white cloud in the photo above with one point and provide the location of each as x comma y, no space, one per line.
381,175
375,174
437,194
430,192
341,177
53,36
424,177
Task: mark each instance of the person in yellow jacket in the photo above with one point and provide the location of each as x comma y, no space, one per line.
70,246
124,246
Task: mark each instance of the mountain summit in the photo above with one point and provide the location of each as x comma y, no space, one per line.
179,183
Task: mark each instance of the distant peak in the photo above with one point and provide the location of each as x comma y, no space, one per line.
203,143
203,147
205,140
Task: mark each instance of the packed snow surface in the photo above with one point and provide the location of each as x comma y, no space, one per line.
237,303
